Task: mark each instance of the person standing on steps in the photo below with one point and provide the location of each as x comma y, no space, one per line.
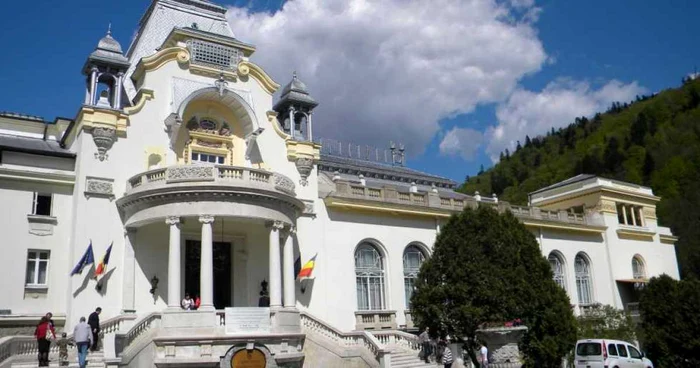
424,341
484,356
94,322
44,333
447,358
83,336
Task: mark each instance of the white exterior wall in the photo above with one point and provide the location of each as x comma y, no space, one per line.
335,238
17,198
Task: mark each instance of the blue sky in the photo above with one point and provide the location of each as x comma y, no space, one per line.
556,60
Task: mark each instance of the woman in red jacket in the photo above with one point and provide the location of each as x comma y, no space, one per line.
44,333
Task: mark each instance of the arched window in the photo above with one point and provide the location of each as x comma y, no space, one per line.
583,280
558,269
638,269
413,258
369,275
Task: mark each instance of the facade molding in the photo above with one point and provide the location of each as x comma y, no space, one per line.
266,82
668,239
37,177
160,58
142,96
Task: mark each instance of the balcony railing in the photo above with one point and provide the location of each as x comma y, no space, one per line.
215,174
375,320
434,200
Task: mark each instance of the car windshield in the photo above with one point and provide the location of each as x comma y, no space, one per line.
588,348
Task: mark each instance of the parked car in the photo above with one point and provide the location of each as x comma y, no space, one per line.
602,353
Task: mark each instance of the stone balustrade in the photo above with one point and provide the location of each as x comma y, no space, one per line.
362,340
401,339
375,320
123,341
25,347
432,200
409,320
211,174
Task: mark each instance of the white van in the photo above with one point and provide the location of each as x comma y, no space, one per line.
601,353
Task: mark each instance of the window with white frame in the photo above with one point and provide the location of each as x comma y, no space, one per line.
369,275
638,271
198,157
37,268
412,260
557,264
583,280
42,204
630,215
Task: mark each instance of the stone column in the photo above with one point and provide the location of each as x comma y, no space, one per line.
117,91
288,270
624,214
206,268
93,84
275,265
129,267
173,223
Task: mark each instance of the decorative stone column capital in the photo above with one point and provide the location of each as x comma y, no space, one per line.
291,230
275,225
206,219
130,231
172,220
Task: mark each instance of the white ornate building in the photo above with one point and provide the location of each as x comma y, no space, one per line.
180,159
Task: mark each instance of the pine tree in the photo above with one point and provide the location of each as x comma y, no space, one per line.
518,147
528,142
481,169
487,267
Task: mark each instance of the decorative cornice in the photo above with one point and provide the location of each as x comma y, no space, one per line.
160,58
247,68
37,177
172,220
564,226
668,239
636,233
272,119
142,96
384,208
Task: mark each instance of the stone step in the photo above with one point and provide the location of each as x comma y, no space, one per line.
408,359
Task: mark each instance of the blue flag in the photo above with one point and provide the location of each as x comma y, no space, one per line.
85,260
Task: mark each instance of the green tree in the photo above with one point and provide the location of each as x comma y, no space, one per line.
487,267
670,328
605,321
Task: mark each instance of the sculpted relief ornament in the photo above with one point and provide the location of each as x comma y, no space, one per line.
99,187
304,166
104,138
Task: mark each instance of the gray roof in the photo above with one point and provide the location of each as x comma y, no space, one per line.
108,51
331,163
295,92
33,145
574,179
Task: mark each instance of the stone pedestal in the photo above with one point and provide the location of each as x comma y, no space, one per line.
195,321
285,320
502,343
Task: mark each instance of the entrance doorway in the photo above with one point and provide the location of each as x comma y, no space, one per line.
222,271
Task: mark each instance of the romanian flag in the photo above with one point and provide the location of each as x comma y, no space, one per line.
307,270
85,260
102,266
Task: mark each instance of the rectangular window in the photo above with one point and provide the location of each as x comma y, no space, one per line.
42,204
612,350
37,268
589,349
622,350
634,353
207,158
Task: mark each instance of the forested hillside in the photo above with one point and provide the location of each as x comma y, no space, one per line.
653,141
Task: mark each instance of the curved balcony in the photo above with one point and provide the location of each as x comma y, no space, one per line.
191,190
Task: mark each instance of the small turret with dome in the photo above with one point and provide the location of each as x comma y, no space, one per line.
295,108
105,68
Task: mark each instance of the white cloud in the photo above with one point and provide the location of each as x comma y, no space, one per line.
461,141
533,113
390,70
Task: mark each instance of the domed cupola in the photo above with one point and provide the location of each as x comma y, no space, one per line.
105,68
295,108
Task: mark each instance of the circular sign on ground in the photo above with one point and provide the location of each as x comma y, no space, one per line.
248,359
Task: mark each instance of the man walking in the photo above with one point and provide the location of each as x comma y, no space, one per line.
94,322
82,334
424,341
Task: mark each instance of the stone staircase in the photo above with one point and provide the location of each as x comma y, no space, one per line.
94,359
404,358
